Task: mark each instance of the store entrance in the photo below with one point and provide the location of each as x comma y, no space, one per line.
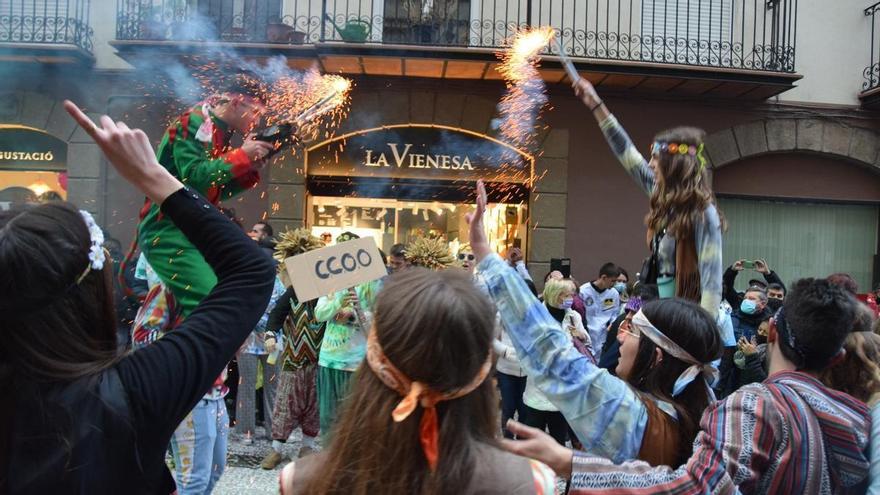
391,221
399,182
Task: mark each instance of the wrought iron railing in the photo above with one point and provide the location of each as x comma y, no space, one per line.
64,22
872,71
740,34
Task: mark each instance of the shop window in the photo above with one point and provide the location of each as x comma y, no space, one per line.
22,187
391,221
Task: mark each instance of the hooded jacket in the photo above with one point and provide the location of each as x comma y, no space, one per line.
789,434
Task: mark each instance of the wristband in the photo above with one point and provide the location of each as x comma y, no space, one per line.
596,106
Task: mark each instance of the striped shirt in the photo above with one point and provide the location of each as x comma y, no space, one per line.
789,435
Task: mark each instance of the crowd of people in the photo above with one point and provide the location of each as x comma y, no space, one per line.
670,382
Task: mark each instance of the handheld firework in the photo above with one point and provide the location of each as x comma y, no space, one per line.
565,61
285,134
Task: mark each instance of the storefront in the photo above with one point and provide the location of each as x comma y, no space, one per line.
397,182
33,166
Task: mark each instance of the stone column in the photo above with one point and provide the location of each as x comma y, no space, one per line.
547,205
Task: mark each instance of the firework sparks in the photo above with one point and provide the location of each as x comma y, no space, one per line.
526,97
311,102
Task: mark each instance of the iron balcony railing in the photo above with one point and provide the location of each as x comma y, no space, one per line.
872,71
738,34
64,22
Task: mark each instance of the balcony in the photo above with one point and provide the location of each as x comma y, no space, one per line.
40,31
870,95
721,48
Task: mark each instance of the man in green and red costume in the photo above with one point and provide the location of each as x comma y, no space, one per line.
196,149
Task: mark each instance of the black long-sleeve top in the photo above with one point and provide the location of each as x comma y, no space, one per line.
733,297
107,433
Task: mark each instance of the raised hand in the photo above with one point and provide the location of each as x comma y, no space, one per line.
761,266
586,92
479,241
130,153
738,265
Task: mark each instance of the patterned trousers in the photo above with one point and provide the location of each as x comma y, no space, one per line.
296,403
245,402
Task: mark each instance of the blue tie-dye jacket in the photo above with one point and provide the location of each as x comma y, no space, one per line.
604,412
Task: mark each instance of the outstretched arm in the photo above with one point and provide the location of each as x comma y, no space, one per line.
625,151
605,413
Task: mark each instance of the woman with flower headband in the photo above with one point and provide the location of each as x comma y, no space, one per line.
651,409
80,417
684,224
422,414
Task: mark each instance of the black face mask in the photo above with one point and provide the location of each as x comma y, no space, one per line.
774,304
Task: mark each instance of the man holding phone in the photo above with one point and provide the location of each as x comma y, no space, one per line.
735,298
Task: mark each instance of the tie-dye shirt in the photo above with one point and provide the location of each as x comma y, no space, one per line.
345,344
605,413
255,343
707,233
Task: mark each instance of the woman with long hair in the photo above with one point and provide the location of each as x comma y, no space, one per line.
651,410
858,374
79,416
684,224
422,414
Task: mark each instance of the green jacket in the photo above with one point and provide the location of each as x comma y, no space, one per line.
216,171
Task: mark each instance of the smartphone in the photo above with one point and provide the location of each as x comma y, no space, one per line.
562,265
749,265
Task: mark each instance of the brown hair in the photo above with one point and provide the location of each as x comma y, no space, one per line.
436,328
685,192
695,331
858,375
54,328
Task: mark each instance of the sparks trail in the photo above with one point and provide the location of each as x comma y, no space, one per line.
525,99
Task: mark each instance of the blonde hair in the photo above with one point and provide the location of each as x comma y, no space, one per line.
554,288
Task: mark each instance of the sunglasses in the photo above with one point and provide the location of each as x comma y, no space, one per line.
468,256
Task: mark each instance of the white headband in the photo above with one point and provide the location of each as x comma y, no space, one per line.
696,368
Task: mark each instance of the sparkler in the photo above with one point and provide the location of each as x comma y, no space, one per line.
566,62
525,98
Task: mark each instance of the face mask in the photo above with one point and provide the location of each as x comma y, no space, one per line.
748,307
566,303
620,287
774,304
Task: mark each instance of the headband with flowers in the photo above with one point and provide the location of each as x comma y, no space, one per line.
680,149
97,256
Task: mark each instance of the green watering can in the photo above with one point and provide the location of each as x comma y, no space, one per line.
354,30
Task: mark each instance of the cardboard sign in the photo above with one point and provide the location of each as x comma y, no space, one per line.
330,269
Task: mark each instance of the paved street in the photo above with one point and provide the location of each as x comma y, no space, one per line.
243,474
